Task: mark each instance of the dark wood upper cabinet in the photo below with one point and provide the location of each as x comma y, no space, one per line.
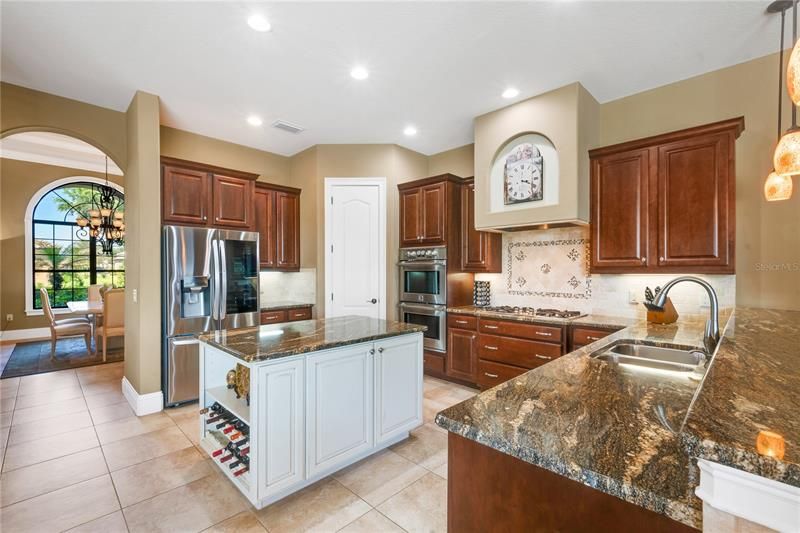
277,220
430,213
232,200
410,217
619,219
185,195
666,203
433,213
287,214
265,225
481,250
695,202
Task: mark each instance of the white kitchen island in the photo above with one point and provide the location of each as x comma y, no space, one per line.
323,394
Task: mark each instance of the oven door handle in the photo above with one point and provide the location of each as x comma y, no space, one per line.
429,309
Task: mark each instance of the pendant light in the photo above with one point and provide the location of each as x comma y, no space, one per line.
786,159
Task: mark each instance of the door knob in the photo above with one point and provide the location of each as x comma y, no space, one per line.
373,301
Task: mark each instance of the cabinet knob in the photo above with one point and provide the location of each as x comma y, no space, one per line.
661,258
372,351
380,350
205,218
644,260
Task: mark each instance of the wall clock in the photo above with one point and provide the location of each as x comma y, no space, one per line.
523,174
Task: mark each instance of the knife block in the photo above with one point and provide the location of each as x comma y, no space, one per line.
668,316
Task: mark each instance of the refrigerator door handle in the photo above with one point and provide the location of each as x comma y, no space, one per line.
184,342
215,278
223,274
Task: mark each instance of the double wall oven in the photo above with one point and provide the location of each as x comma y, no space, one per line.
423,292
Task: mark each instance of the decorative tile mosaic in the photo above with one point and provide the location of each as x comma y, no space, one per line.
529,257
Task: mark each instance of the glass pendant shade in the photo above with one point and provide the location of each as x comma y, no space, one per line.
793,75
778,187
786,159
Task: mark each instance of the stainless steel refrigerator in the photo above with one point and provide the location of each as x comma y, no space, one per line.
210,282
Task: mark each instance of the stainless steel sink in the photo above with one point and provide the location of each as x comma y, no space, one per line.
655,357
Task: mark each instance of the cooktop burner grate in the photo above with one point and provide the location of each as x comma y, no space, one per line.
532,311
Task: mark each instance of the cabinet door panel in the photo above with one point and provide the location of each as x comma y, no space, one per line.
233,202
410,217
339,409
433,213
620,196
481,249
693,202
462,358
281,428
287,210
265,226
398,386
185,196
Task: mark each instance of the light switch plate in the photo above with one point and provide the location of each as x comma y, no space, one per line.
135,296
633,296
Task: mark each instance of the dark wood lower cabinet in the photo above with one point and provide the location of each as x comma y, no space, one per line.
462,358
285,315
491,491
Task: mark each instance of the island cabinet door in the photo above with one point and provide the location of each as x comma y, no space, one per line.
398,386
339,407
280,431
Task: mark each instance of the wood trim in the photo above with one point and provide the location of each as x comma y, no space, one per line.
429,181
734,125
274,187
194,165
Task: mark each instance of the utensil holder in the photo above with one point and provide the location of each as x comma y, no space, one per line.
666,316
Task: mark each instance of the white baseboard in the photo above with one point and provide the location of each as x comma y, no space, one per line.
760,500
142,404
20,335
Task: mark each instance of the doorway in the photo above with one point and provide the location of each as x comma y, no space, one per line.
355,247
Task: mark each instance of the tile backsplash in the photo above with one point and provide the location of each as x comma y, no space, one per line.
298,287
549,268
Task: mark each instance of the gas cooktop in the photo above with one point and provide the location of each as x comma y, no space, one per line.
532,311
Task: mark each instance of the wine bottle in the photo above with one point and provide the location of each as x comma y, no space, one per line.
241,471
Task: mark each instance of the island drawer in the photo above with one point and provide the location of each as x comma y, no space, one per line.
581,336
273,317
519,329
303,313
520,352
491,373
433,364
462,321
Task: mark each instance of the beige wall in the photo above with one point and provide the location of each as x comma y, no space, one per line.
28,110
308,172
143,246
270,167
19,181
766,233
459,161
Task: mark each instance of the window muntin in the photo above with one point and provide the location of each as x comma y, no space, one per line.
64,263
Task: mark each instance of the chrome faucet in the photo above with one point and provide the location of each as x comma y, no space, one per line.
711,336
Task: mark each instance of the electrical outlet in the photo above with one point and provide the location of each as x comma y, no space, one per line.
9,317
135,296
633,296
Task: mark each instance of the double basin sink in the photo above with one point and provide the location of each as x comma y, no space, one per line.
676,359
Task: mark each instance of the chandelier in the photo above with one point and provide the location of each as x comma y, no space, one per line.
104,221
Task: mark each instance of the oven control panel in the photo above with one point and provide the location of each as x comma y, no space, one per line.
423,254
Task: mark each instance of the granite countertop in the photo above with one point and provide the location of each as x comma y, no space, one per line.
753,385
284,304
588,320
611,427
275,341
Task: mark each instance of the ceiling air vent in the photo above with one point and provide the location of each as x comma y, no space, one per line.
287,126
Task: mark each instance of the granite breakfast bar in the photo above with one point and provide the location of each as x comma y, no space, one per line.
322,395
580,443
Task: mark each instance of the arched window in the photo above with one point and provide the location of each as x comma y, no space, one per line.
62,258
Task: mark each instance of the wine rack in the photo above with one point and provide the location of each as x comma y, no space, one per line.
227,441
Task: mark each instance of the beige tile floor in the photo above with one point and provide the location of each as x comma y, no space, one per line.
76,458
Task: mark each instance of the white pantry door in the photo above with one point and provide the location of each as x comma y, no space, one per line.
355,247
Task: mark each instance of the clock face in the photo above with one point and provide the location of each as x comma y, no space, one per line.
523,175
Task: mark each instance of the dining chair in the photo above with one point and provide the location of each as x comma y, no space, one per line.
66,327
95,295
113,317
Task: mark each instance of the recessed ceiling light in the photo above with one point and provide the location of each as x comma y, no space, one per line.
410,131
258,23
359,73
254,120
511,92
